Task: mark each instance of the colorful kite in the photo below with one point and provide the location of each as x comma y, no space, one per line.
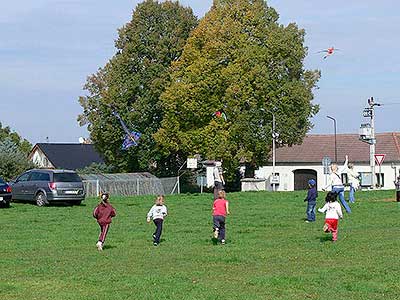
328,51
131,137
220,114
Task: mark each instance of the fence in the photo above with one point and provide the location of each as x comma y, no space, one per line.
130,187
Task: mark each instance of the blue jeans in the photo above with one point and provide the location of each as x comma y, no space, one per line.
340,191
351,196
311,211
158,232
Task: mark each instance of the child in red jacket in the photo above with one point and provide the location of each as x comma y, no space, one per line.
103,213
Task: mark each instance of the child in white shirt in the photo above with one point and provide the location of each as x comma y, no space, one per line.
333,211
157,212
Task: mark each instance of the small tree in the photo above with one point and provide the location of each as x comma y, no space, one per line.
13,161
23,144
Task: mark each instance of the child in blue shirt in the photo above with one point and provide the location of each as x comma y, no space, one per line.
311,200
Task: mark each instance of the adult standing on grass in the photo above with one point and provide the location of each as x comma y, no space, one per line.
336,184
219,181
397,184
220,211
352,176
103,213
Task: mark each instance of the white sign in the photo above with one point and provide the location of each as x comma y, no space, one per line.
379,158
191,163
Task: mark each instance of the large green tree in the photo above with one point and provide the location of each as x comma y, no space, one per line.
242,62
132,81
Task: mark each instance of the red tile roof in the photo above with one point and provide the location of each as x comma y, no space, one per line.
316,146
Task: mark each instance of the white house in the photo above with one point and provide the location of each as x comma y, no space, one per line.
64,156
297,164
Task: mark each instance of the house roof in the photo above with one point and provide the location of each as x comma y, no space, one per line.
69,156
316,146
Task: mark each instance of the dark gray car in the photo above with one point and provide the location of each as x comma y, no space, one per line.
44,186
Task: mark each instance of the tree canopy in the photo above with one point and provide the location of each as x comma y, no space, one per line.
22,144
241,62
132,81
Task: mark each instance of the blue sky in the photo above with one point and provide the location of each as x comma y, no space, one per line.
49,47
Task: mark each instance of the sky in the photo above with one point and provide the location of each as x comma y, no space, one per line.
49,47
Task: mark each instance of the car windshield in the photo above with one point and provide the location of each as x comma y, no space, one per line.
66,177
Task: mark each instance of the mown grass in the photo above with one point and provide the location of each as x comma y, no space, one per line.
50,253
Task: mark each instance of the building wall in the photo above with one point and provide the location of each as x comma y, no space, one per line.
41,160
286,175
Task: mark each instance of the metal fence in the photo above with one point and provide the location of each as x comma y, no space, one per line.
130,187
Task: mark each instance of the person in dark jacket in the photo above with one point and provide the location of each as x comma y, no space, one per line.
311,200
103,214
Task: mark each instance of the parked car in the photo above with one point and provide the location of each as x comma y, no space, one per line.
45,186
5,194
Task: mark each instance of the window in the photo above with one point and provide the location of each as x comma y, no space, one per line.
34,176
39,176
380,179
66,177
24,177
345,178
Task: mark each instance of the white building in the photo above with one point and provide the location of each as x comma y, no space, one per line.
297,164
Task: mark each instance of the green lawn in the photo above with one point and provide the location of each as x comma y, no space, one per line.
50,253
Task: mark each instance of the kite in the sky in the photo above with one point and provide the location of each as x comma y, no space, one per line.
131,137
328,51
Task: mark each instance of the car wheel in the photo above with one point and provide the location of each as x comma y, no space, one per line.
7,204
41,199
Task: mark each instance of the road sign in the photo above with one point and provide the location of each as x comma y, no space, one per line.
326,161
379,158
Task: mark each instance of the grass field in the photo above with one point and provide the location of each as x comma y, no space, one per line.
50,253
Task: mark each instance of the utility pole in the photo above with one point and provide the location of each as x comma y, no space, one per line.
367,134
273,151
334,131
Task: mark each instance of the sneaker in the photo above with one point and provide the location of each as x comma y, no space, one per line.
99,246
216,232
222,242
308,221
155,244
154,236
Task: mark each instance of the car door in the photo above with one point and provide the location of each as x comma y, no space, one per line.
19,187
31,185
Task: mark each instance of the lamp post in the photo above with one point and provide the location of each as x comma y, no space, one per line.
334,125
274,136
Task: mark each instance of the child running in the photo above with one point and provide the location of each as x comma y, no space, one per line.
220,210
311,200
157,212
103,214
333,211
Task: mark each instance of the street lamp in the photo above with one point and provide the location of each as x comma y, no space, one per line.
275,135
334,125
